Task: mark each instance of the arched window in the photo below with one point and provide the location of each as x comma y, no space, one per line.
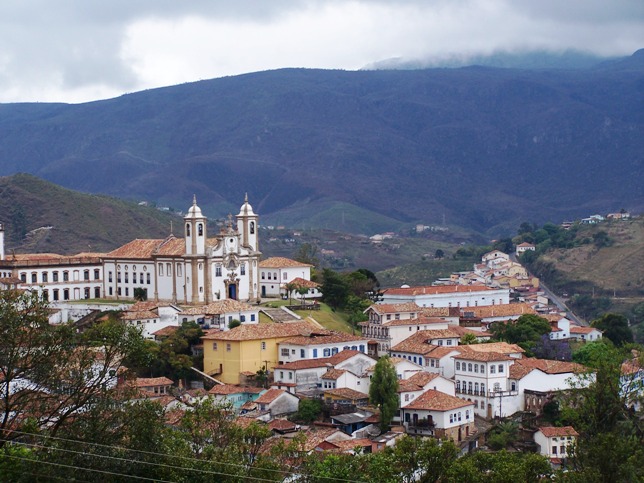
200,228
179,270
252,227
458,366
187,229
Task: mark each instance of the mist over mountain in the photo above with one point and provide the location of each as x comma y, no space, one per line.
480,147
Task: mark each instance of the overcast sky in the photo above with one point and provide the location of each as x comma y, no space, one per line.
76,51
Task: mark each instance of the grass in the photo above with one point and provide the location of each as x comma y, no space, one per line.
326,316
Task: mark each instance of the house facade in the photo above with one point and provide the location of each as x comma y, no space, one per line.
447,296
276,272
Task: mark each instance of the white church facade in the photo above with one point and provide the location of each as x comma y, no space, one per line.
193,269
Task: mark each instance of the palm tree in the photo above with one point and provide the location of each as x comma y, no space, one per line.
290,288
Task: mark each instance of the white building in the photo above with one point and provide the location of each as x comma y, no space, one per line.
555,442
447,296
319,344
275,272
220,313
194,269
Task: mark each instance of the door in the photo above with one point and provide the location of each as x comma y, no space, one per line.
263,291
232,291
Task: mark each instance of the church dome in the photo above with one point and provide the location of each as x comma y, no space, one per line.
194,211
246,209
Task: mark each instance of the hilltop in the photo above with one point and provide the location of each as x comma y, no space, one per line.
42,217
479,147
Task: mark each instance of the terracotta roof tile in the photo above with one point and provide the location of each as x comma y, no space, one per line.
501,347
552,431
482,356
142,315
432,400
326,337
322,362
503,310
269,396
575,329
347,393
281,262
549,366
438,289
219,307
137,249
166,331
262,331
395,308
301,282
281,425
333,374
152,381
415,321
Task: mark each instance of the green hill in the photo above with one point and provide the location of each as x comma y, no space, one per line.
42,217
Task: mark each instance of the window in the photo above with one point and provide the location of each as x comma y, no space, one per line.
476,368
492,369
200,229
327,352
285,276
500,368
458,366
45,295
86,292
469,387
179,273
34,277
275,276
514,386
97,292
111,291
228,347
482,389
141,278
242,318
449,342
218,270
54,276
56,294
127,291
315,353
127,277
65,276
187,229
263,345
86,275
133,277
97,274
242,269
440,341
118,291
252,227
109,276
284,352
290,375
469,367
554,449
66,294
160,270
148,279
168,269
263,276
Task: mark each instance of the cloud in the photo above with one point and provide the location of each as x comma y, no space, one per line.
82,50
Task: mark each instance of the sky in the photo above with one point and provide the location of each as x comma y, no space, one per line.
82,50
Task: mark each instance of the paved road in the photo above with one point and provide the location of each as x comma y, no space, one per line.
561,305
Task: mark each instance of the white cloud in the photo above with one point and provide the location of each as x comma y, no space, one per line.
80,50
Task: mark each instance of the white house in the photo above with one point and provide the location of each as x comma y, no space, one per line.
319,343
555,442
494,256
447,296
275,272
306,374
437,414
410,389
277,402
521,248
219,314
151,317
586,334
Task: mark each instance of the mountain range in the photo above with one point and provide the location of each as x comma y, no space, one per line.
479,147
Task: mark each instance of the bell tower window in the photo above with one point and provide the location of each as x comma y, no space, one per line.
200,228
252,227
187,229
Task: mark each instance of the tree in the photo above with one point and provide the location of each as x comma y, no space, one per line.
234,323
383,392
140,294
307,253
468,339
51,371
439,254
308,410
610,446
546,348
335,289
290,287
525,331
615,328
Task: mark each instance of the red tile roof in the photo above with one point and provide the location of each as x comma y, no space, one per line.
323,337
432,400
545,365
439,289
395,308
502,310
262,331
322,362
152,381
219,307
146,248
281,262
552,431
347,393
269,396
333,374
227,389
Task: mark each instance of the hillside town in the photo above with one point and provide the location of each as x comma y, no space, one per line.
454,378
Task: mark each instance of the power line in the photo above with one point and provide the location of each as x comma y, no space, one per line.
187,458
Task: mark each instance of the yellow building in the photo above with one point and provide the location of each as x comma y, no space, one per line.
246,348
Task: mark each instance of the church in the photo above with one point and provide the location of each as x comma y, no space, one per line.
194,269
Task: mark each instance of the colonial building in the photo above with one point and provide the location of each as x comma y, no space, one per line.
193,269
447,296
